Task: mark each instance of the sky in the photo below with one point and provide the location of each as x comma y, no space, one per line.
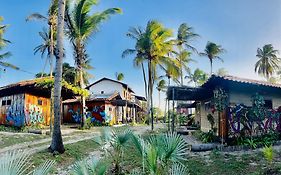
239,26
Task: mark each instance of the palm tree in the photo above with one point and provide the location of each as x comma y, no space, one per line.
49,37
268,62
222,72
198,77
3,43
81,25
57,143
184,37
119,76
161,85
212,51
139,62
154,45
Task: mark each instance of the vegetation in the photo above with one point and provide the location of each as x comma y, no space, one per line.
3,43
119,76
212,52
198,77
81,25
268,62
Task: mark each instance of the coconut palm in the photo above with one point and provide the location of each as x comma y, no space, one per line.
198,77
184,37
268,62
49,37
119,76
153,45
3,43
222,72
57,143
81,26
136,33
212,51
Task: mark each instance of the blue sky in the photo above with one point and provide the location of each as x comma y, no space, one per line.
240,26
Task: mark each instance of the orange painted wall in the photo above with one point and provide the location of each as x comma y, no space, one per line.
37,109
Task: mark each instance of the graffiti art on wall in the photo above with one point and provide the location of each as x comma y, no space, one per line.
34,114
242,120
15,111
98,114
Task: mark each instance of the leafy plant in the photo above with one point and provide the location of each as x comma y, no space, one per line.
161,154
208,137
92,166
268,153
251,142
17,163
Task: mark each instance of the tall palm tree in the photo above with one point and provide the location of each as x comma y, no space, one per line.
154,45
3,43
119,76
198,77
212,51
49,37
222,72
57,143
185,36
161,85
268,62
81,25
136,33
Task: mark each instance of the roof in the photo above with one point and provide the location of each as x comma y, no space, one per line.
228,82
108,79
98,97
242,80
140,98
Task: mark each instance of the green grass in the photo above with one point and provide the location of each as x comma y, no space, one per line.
73,152
9,140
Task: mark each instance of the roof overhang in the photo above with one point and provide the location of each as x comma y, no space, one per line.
185,93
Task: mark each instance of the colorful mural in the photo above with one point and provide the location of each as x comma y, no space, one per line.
24,109
242,120
97,114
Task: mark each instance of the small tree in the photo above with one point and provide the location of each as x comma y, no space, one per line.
220,102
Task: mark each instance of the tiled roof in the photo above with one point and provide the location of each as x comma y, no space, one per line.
243,80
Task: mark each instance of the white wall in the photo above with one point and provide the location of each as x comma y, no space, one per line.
108,87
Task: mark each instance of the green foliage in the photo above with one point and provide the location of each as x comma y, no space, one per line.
220,99
258,106
92,166
161,152
18,163
49,83
198,77
208,137
211,120
268,62
268,153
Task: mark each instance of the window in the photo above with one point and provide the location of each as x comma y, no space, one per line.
110,109
3,102
40,102
102,92
268,104
9,102
6,102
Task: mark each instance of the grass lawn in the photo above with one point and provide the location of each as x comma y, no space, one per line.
73,152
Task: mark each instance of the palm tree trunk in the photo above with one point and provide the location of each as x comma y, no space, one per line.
169,117
57,143
150,87
211,62
82,85
144,80
51,75
159,95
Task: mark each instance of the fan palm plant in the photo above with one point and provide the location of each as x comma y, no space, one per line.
3,43
113,144
92,166
162,154
212,52
268,62
81,25
18,163
153,45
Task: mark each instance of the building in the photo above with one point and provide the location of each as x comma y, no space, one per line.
110,101
26,103
239,95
